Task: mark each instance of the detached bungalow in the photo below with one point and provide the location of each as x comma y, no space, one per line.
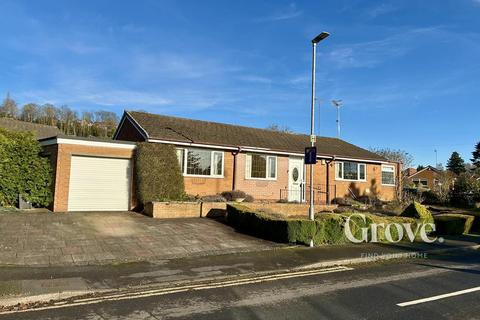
214,157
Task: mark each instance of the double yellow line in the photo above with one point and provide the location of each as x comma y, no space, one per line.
118,296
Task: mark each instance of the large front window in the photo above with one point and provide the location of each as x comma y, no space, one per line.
350,171
200,162
388,175
261,166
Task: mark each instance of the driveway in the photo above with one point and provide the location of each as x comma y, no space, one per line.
47,239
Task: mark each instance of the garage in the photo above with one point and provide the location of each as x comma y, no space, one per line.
99,184
91,174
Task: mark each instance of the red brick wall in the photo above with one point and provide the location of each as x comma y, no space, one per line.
372,186
203,186
262,189
427,174
62,169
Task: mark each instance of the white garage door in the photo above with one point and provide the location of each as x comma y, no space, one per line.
99,184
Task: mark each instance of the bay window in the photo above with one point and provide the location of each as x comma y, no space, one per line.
259,166
350,171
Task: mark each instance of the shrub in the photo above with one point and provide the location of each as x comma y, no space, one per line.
328,228
466,191
249,198
418,211
23,170
158,173
256,224
234,194
431,197
213,198
453,224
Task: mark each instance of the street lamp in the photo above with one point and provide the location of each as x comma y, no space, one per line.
315,40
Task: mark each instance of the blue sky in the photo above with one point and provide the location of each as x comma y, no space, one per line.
407,71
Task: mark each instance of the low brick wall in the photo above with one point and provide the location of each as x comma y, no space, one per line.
184,209
288,209
205,209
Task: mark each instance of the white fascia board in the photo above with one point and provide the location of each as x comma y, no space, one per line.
363,160
88,143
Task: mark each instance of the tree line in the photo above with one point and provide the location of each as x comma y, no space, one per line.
71,122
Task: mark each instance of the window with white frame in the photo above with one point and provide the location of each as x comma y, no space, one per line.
388,175
181,158
260,166
200,162
420,182
350,171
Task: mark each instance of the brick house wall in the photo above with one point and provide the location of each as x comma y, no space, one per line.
205,186
62,162
371,187
428,174
262,189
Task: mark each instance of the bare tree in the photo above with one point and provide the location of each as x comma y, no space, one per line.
9,107
276,127
30,112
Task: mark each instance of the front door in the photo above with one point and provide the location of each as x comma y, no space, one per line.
296,189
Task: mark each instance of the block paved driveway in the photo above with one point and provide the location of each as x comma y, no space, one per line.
48,239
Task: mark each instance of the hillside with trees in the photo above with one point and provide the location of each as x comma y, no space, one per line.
71,122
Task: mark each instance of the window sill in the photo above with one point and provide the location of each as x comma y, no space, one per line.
389,185
350,180
202,176
262,179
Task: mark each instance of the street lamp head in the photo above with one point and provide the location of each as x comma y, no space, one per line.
320,37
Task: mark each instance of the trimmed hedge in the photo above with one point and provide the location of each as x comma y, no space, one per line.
328,228
418,211
22,170
158,173
453,224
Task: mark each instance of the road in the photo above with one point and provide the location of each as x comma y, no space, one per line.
365,292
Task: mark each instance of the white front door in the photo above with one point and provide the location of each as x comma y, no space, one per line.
296,190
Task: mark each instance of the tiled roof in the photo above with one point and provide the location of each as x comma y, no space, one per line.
39,130
205,132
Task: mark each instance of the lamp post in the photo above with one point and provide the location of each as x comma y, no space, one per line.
315,41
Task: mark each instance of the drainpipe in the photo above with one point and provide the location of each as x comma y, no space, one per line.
328,178
234,174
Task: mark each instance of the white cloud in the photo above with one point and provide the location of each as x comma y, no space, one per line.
371,53
382,9
290,12
255,79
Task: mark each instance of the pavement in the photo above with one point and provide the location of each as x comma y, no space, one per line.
46,239
24,287
445,286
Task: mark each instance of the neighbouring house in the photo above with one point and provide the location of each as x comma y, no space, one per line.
426,178
95,174
40,131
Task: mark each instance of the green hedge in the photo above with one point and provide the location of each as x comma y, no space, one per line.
328,228
158,173
453,224
418,211
23,170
